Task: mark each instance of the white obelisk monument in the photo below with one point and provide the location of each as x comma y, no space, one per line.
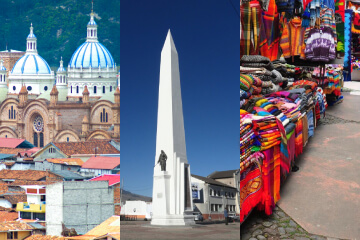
172,199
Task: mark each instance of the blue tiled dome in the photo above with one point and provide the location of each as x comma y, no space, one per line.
61,69
92,54
31,64
31,35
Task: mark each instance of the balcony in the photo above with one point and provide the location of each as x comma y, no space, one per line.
25,207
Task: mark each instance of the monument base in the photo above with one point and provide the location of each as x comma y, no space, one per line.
173,220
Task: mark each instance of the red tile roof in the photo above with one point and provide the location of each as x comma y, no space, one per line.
29,152
10,142
33,175
14,225
112,178
6,150
16,198
103,147
100,162
43,237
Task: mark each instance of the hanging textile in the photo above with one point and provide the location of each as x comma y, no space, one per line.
251,25
339,20
269,36
347,40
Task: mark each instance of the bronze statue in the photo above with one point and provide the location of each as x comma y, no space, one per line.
162,160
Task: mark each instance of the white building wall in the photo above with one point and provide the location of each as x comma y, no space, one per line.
54,209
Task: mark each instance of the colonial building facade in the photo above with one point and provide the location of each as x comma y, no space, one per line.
79,104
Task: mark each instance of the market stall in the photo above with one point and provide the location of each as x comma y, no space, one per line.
288,76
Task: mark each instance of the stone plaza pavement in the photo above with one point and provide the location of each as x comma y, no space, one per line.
143,230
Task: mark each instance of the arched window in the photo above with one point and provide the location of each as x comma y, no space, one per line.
71,89
67,139
0,78
12,112
77,89
41,139
35,140
110,88
14,88
94,33
101,117
106,120
94,89
103,89
9,114
45,88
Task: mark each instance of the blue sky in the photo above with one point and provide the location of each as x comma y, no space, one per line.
206,35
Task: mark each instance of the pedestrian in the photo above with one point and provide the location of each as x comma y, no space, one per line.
226,215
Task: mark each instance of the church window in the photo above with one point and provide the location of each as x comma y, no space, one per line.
103,89
35,140
41,139
77,89
94,33
110,88
14,88
106,120
29,88
1,78
45,88
101,117
94,89
12,113
67,139
71,89
5,136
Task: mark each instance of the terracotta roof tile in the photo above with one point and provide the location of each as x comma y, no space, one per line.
9,164
71,148
43,237
27,182
33,175
8,216
66,161
13,225
14,151
16,198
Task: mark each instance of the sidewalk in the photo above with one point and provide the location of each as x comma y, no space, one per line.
143,230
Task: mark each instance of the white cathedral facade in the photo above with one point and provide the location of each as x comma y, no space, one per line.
91,65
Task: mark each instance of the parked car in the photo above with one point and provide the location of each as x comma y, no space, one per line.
234,218
198,216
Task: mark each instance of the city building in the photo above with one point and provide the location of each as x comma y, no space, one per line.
211,197
58,164
114,183
35,206
15,230
232,178
79,205
99,165
78,104
139,210
82,150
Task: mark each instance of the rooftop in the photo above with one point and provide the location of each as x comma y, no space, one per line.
103,146
100,162
15,143
66,161
112,178
222,174
43,237
32,175
68,175
211,181
15,226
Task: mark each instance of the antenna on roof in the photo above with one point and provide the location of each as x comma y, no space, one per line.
92,6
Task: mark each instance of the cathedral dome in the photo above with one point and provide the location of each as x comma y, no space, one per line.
31,64
91,54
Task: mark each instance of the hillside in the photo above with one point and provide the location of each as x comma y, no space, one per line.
59,25
128,196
